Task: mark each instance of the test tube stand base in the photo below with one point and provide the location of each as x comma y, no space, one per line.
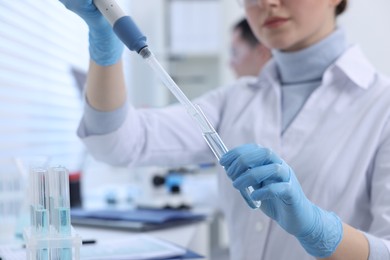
52,247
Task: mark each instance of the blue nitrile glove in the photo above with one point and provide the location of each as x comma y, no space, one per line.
105,48
282,198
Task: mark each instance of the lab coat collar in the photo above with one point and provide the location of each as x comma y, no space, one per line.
352,64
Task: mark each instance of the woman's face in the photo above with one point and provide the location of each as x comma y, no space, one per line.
291,25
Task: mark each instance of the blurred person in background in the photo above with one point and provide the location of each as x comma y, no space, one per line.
248,55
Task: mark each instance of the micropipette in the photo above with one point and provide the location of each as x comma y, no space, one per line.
128,32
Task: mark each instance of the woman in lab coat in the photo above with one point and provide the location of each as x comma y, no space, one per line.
318,104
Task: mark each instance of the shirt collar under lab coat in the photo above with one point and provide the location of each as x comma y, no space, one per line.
352,65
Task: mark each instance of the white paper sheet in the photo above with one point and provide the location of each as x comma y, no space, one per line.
134,247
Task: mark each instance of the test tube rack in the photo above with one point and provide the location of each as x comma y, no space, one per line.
50,235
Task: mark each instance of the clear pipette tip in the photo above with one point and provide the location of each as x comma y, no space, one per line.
218,147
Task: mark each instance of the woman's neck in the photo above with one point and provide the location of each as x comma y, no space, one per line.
309,64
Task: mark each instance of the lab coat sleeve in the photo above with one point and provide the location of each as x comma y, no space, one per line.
157,136
378,249
96,122
380,193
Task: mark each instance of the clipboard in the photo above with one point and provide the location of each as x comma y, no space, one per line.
134,219
137,248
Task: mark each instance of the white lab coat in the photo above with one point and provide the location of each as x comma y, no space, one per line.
338,146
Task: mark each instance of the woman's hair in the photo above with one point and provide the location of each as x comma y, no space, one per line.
246,32
341,7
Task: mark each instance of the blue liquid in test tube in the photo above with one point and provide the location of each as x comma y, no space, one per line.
60,209
39,208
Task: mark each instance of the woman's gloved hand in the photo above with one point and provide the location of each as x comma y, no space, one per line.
105,48
283,200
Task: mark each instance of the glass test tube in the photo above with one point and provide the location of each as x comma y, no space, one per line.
59,200
39,208
60,209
